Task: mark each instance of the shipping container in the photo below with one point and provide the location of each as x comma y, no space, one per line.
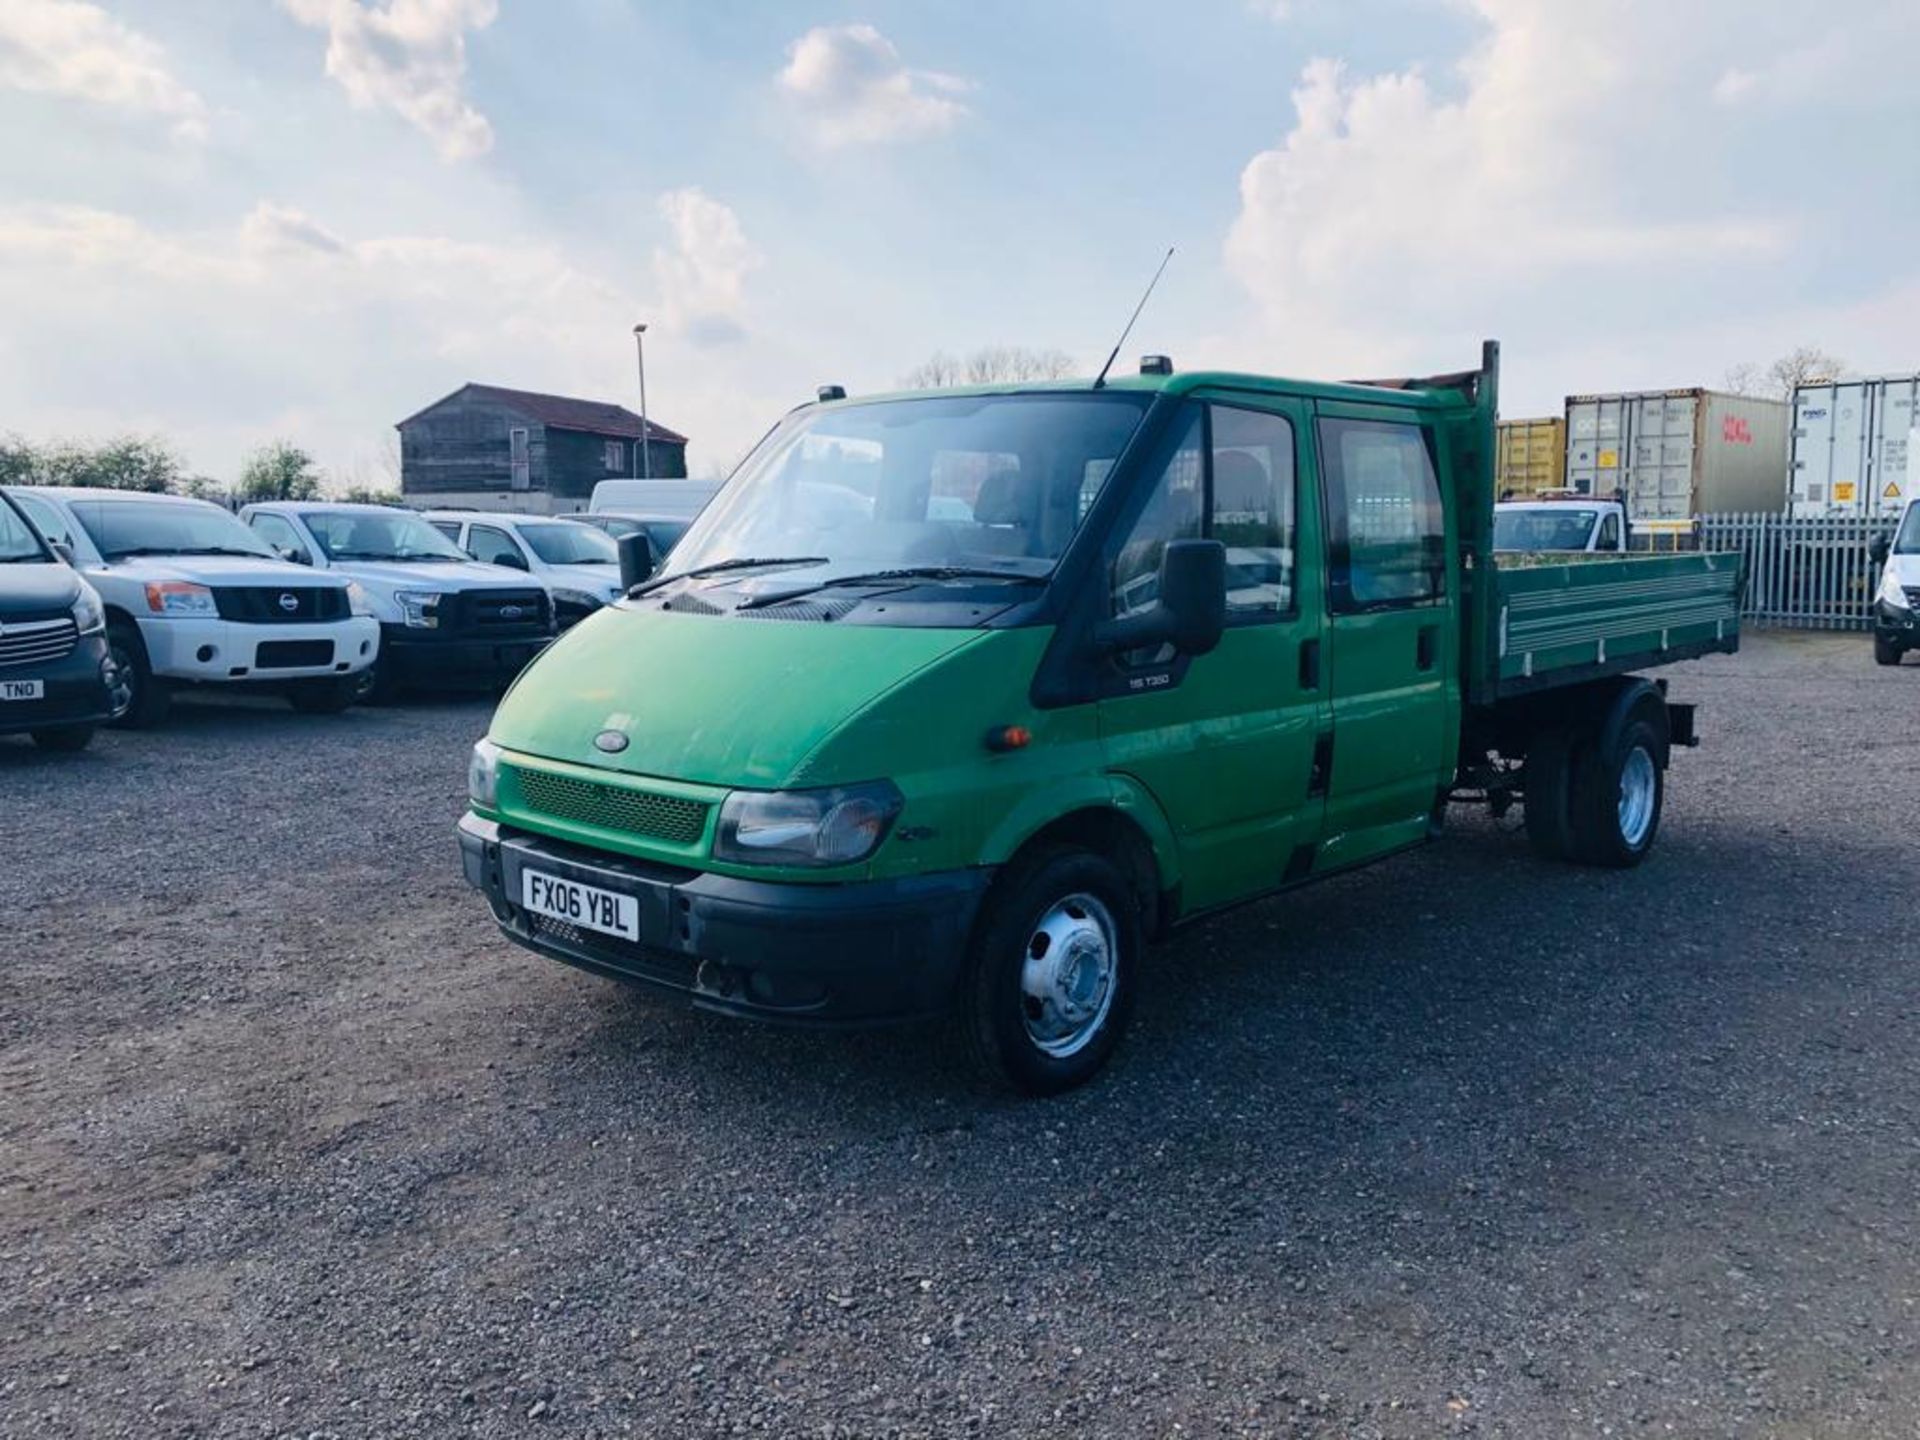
1532,456
1850,445
1679,453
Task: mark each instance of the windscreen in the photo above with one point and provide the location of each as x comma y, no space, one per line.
1543,529
185,527
383,535
996,482
17,540
565,543
1907,542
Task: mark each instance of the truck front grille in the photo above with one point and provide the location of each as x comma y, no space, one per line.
612,807
35,642
281,604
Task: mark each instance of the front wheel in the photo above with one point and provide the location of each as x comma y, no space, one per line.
1886,651
1049,982
149,697
1619,792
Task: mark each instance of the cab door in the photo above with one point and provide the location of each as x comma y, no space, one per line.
1225,743
1391,642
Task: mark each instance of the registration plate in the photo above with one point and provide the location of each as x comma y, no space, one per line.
584,905
23,689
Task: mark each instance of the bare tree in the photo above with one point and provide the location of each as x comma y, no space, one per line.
989,365
1796,367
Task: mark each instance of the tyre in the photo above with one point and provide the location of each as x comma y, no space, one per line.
149,696
1048,988
1547,800
377,684
328,695
1618,793
64,738
1886,651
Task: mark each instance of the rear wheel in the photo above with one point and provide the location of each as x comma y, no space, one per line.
1049,983
149,697
1887,651
328,695
64,738
1618,793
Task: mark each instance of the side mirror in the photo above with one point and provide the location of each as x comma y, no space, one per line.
1191,610
637,560
511,559
293,554
1879,548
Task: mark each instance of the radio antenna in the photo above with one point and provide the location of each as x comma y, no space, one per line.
1101,378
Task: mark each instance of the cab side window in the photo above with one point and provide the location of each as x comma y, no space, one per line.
1231,479
277,533
495,547
1386,530
46,518
1609,533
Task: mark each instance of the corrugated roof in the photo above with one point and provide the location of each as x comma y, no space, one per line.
565,412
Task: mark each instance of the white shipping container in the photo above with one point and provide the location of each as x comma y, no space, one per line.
1675,454
1850,445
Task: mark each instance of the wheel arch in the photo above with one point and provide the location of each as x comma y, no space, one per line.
1114,833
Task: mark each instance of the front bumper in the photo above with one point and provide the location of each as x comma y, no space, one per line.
217,651
75,689
865,953
1896,623
426,657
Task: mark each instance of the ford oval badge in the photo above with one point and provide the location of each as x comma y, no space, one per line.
611,741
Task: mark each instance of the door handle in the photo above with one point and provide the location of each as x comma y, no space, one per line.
1427,647
1309,664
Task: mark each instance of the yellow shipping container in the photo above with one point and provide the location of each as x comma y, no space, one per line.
1532,456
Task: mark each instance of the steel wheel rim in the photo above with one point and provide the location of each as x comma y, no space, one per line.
1067,975
126,688
1639,784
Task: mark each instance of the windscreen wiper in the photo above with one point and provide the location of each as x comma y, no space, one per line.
185,550
904,572
740,562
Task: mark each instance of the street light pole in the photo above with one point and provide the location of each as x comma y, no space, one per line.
646,448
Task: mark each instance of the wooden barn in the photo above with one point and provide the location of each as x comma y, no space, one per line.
499,449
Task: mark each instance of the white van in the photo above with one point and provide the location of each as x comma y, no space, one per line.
668,499
1896,602
194,597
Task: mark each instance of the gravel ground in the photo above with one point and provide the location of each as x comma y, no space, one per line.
292,1144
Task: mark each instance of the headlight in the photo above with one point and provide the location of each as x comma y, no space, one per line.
88,613
418,608
836,826
564,596
483,774
180,597
1891,589
359,602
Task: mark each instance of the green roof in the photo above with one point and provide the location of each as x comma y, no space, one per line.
1186,382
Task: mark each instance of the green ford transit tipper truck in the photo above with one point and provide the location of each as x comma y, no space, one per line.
950,702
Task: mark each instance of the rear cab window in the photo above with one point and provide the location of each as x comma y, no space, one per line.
1386,527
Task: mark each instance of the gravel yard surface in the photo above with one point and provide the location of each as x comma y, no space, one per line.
291,1143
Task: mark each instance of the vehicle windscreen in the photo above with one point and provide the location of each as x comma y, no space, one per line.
564,543
995,484
1543,529
390,535
1907,542
189,527
18,542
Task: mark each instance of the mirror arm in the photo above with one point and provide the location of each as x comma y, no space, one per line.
1152,626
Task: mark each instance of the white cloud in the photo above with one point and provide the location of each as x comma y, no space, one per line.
410,57
701,276
851,84
65,47
1397,218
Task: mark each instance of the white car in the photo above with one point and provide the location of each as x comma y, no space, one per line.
1896,600
1569,524
579,565
445,619
193,597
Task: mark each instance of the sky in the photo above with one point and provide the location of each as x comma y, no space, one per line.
230,222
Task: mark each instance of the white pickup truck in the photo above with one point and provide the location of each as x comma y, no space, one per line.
193,597
1576,523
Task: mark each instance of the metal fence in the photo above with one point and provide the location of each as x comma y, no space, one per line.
1805,574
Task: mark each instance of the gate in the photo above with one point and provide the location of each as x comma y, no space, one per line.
1810,574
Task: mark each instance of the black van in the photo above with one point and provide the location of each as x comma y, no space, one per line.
57,680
